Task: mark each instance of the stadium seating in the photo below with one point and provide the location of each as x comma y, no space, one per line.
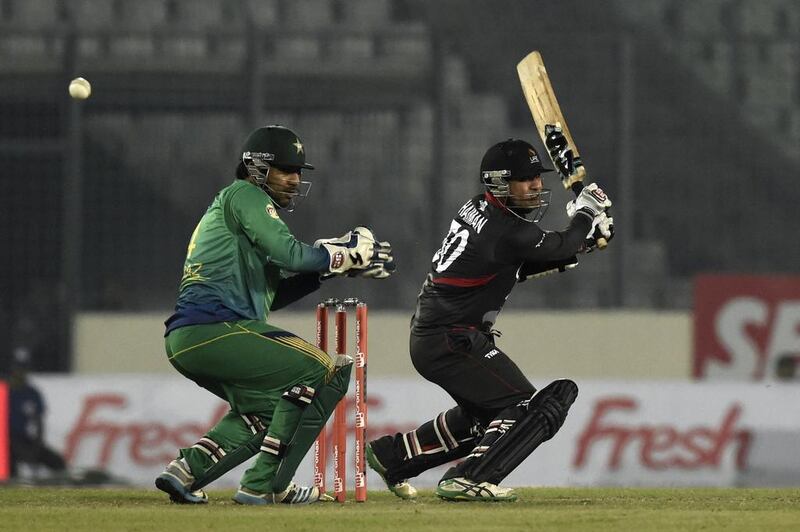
762,69
178,82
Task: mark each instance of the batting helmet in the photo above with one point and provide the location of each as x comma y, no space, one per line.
514,160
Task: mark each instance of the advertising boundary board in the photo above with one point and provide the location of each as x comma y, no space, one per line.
618,433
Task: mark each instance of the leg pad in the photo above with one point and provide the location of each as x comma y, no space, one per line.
312,421
517,432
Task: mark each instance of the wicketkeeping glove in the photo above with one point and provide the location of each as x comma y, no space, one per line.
357,252
378,270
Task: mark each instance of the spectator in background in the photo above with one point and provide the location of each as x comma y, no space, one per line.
26,419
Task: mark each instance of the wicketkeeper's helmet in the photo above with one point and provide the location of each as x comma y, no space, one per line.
276,146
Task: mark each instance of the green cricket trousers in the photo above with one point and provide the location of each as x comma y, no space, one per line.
255,367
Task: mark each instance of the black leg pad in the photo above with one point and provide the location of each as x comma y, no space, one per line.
517,432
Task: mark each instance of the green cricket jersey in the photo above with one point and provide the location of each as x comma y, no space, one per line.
235,259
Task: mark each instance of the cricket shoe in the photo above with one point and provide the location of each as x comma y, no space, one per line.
294,494
176,480
402,489
462,489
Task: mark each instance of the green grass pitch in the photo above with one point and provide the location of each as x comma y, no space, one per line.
595,509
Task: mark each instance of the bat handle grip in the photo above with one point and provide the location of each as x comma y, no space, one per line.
576,187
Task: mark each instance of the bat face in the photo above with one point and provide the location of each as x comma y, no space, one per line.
546,113
544,107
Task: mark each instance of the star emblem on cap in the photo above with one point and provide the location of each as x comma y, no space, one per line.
297,144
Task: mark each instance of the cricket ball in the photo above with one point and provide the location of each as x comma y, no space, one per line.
80,88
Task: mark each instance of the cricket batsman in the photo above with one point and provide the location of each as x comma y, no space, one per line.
493,243
243,262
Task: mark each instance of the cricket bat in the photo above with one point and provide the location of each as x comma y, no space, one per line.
545,110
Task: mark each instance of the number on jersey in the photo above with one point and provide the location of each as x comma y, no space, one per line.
452,246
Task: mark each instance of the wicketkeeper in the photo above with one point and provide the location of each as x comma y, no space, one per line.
493,243
243,262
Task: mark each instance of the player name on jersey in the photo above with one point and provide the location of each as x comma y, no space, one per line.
472,216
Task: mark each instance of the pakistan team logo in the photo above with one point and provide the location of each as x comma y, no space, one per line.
271,211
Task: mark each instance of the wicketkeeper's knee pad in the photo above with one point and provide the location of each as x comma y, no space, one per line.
312,421
299,394
517,432
224,462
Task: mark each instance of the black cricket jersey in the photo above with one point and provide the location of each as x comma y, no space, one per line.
474,271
